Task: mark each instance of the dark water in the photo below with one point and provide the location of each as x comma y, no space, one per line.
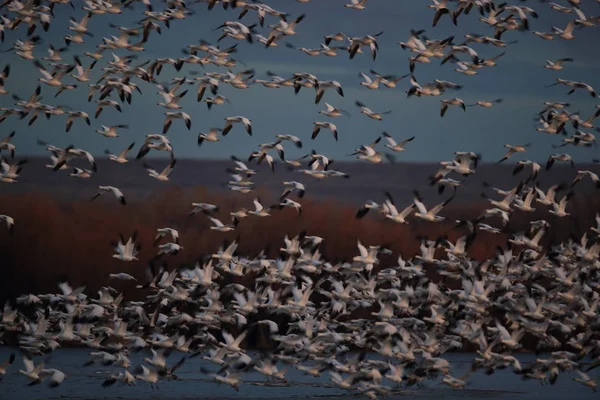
86,383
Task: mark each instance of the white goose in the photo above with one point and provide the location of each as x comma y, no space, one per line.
163,176
115,191
236,120
396,146
373,115
127,250
121,157
430,215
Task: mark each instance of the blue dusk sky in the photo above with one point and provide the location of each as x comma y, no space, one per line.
520,79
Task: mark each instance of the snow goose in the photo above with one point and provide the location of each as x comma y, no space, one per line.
110,189
218,100
163,176
259,210
392,213
81,173
547,198
54,376
76,114
524,204
127,250
367,111
356,43
294,139
229,121
106,103
323,85
567,33
205,208
219,226
149,375
559,209
585,380
5,144
544,35
558,64
292,186
514,149
82,74
121,157
32,371
4,366
559,157
171,101
170,116
582,174
289,203
51,79
506,202
486,104
452,102
327,125
372,84
431,215
162,232
111,131
169,248
441,8
333,112
125,377
211,136
356,5
396,146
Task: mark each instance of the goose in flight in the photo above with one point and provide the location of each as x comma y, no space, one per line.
560,209
10,223
292,186
582,174
514,149
559,157
289,203
373,84
326,125
367,111
229,121
162,232
392,213
357,5
558,64
211,136
76,114
163,176
356,43
396,146
259,209
4,366
111,131
171,116
333,112
535,169
110,189
452,102
486,104
294,139
506,202
204,208
219,226
32,371
81,173
566,33
6,145
82,74
106,103
53,376
121,157
127,250
431,215
323,85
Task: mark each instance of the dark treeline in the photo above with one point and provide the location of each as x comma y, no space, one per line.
54,239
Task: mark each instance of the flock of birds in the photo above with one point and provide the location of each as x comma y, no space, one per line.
548,293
